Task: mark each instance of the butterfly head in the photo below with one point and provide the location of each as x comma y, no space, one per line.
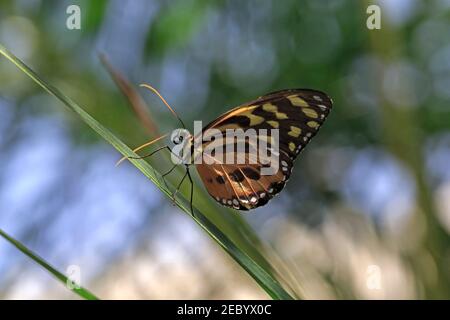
180,136
183,143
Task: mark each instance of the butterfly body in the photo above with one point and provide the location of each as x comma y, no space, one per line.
292,116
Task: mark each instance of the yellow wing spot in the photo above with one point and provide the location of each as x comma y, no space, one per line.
274,124
269,107
254,119
313,124
297,101
291,146
310,113
281,115
295,132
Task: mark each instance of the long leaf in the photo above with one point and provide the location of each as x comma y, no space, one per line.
58,275
262,277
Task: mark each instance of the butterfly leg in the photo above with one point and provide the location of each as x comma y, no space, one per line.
167,173
192,190
152,153
178,187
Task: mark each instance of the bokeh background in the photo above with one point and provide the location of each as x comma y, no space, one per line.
365,215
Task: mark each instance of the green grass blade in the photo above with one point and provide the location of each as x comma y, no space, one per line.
58,275
262,276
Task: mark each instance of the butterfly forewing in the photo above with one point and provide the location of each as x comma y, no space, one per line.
296,113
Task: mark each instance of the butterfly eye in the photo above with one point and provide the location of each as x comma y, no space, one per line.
178,139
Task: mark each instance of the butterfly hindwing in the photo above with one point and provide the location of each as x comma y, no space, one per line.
296,113
243,187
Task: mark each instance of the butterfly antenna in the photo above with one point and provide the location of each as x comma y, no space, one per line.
141,147
163,100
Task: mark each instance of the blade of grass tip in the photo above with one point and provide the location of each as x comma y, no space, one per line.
262,277
84,293
135,99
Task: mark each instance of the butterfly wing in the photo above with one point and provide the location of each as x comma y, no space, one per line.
296,113
240,187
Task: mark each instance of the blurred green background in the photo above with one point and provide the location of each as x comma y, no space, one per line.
365,215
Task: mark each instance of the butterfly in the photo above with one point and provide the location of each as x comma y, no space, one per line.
294,114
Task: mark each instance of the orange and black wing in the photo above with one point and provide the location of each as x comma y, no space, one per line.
296,113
